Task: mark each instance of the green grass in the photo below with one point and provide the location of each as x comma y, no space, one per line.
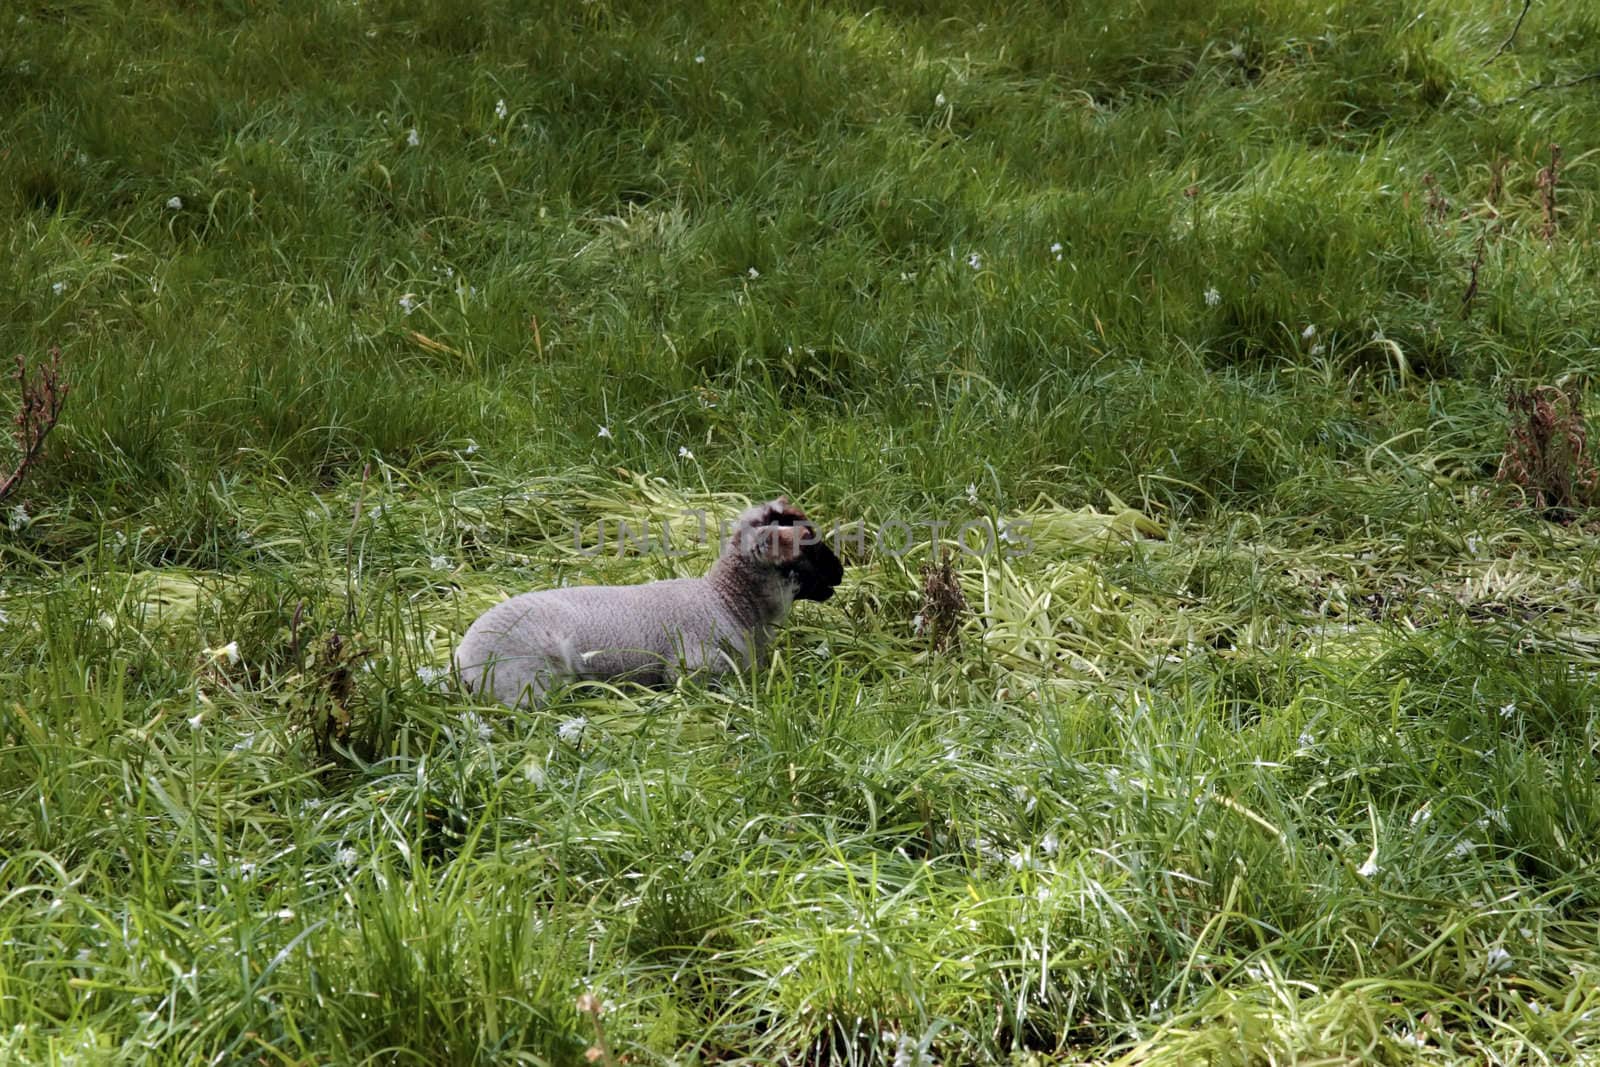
1277,746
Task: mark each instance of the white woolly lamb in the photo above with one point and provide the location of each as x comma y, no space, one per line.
653,633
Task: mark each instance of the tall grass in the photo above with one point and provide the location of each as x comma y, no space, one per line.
1275,745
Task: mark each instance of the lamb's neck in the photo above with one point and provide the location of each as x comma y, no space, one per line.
755,596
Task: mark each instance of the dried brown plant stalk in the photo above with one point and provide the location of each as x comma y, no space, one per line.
943,604
1546,453
1549,178
42,397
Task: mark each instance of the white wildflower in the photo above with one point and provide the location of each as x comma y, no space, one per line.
433,677
1508,710
439,563
346,857
1049,843
1213,298
700,58
1412,1038
1307,741
413,138
1309,332
500,109
1369,868
1055,250
175,203
194,720
533,771
684,453
972,493
286,914
1472,544
940,101
753,273
18,518
605,431
408,302
1462,850
107,621
229,652
975,261
918,624
1497,961
474,724
571,731
472,447
58,288
1318,348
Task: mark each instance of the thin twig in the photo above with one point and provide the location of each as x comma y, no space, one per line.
1512,36
1593,75
1472,281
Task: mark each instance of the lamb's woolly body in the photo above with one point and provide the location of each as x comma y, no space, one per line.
649,633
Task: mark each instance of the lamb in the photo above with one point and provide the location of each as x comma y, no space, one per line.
654,633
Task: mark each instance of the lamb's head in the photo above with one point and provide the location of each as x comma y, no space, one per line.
778,535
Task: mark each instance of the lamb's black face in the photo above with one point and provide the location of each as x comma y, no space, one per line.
818,571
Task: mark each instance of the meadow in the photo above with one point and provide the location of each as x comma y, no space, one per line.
1273,742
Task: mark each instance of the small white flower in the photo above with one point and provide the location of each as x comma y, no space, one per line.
194,720
753,273
972,493
1049,843
1462,850
408,303
605,431
1309,332
1368,869
1213,298
433,677
533,771
474,724
1508,710
700,58
975,261
1497,961
500,109
175,203
686,856
58,288
918,624
229,652
285,914
1377,335
18,518
346,857
1318,348
939,101
107,621
413,138
571,731
684,453
472,447
1306,740
1055,250
1472,544
1412,1038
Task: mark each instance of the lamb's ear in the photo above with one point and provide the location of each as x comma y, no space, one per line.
781,545
780,512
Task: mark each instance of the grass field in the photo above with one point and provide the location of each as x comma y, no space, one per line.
1275,742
